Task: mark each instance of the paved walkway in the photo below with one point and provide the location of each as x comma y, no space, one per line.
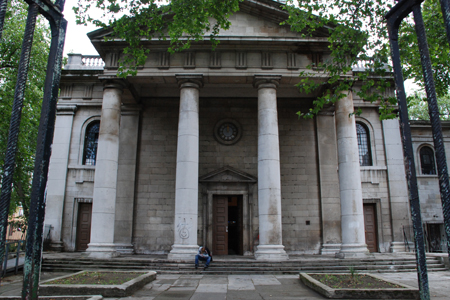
233,287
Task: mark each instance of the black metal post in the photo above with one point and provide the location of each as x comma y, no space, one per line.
394,18
445,7
3,6
11,150
33,254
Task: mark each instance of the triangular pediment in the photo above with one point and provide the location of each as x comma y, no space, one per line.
228,174
255,18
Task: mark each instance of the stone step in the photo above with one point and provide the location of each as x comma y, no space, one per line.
251,270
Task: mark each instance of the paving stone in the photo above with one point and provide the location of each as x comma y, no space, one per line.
209,296
243,295
211,288
240,283
170,295
265,280
216,279
186,282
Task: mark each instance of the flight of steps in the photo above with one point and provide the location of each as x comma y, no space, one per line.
224,267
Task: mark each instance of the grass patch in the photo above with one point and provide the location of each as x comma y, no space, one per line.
102,278
353,281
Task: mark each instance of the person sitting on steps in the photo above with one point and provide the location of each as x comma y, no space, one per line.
204,255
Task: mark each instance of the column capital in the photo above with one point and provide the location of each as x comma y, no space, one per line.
189,80
112,82
266,81
65,109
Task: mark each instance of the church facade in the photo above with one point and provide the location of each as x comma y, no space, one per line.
205,147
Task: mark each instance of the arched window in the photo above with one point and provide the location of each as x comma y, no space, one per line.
427,161
90,143
365,155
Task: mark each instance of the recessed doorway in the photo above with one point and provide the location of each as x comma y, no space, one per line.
228,225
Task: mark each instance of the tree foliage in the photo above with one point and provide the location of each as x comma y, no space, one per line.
180,21
356,32
418,107
356,28
437,45
10,50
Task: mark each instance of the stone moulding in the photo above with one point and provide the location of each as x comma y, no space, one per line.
407,292
122,290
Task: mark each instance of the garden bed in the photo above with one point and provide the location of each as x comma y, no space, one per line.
105,283
357,286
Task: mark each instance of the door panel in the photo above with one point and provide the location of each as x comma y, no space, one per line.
370,225
84,226
220,221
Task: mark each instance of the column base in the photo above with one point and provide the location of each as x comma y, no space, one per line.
271,252
330,249
101,251
353,250
400,247
183,252
124,248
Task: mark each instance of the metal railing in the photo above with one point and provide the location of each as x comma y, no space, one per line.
18,250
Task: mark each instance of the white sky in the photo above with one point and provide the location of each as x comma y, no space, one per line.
76,38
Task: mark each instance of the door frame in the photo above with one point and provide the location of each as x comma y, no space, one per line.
377,204
74,221
246,218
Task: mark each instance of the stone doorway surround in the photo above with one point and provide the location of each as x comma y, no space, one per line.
228,181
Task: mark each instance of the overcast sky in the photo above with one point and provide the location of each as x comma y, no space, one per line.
76,38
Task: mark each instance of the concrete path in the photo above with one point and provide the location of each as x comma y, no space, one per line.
233,287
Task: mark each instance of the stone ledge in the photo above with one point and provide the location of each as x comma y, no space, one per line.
89,297
123,290
408,292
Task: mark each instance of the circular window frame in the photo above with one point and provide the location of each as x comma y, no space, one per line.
225,142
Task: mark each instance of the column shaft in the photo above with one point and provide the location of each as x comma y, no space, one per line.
186,186
352,216
269,178
105,180
126,176
57,174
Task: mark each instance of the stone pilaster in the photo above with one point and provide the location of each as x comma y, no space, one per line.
57,174
186,186
105,180
129,135
398,191
269,179
328,182
352,215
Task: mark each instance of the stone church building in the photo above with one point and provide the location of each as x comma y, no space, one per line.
205,147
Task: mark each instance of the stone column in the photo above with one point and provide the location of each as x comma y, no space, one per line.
129,135
329,182
269,179
186,186
398,191
105,180
352,215
57,174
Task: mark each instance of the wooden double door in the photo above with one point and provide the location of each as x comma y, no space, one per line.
227,225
